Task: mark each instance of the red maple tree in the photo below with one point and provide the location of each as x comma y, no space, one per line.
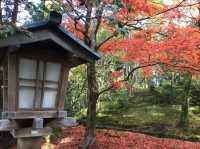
143,31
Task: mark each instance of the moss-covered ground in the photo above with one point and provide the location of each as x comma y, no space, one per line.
159,120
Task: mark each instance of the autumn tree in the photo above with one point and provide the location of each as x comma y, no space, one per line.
135,34
146,32
176,48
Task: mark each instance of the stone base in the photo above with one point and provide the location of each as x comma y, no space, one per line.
29,143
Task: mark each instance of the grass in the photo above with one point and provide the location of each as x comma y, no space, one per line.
159,120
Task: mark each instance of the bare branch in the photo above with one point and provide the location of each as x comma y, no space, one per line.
15,11
99,18
79,16
162,12
138,67
106,89
128,76
1,19
82,88
87,24
107,39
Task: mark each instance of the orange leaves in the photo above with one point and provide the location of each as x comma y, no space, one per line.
179,49
72,138
75,28
127,1
123,11
174,14
125,15
158,41
136,48
134,9
145,6
116,74
147,72
117,84
184,46
115,79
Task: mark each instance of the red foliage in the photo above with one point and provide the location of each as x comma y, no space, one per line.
158,42
73,27
117,84
179,50
174,14
72,138
145,6
116,74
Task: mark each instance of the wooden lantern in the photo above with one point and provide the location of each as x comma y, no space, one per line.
35,70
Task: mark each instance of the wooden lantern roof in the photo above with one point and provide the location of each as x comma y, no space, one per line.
51,34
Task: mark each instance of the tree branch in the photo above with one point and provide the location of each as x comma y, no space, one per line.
80,16
99,18
138,67
82,88
15,11
87,24
159,13
107,39
128,76
1,19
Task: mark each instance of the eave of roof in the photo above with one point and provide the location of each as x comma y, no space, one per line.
59,29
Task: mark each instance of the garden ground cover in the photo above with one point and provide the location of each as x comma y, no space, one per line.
72,138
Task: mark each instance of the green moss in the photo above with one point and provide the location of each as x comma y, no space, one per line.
155,119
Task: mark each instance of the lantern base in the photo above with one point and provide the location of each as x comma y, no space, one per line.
29,143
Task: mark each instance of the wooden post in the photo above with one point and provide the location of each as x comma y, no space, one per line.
29,143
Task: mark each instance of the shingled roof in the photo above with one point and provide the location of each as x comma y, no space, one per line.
51,30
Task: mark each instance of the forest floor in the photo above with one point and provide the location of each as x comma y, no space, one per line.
72,138
148,126
157,120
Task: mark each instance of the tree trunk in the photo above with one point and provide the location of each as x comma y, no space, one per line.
184,118
1,19
92,100
199,107
15,11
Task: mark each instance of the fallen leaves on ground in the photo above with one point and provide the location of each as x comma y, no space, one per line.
72,138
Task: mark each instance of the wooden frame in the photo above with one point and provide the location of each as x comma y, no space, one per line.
12,84
36,82
33,114
4,86
11,103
